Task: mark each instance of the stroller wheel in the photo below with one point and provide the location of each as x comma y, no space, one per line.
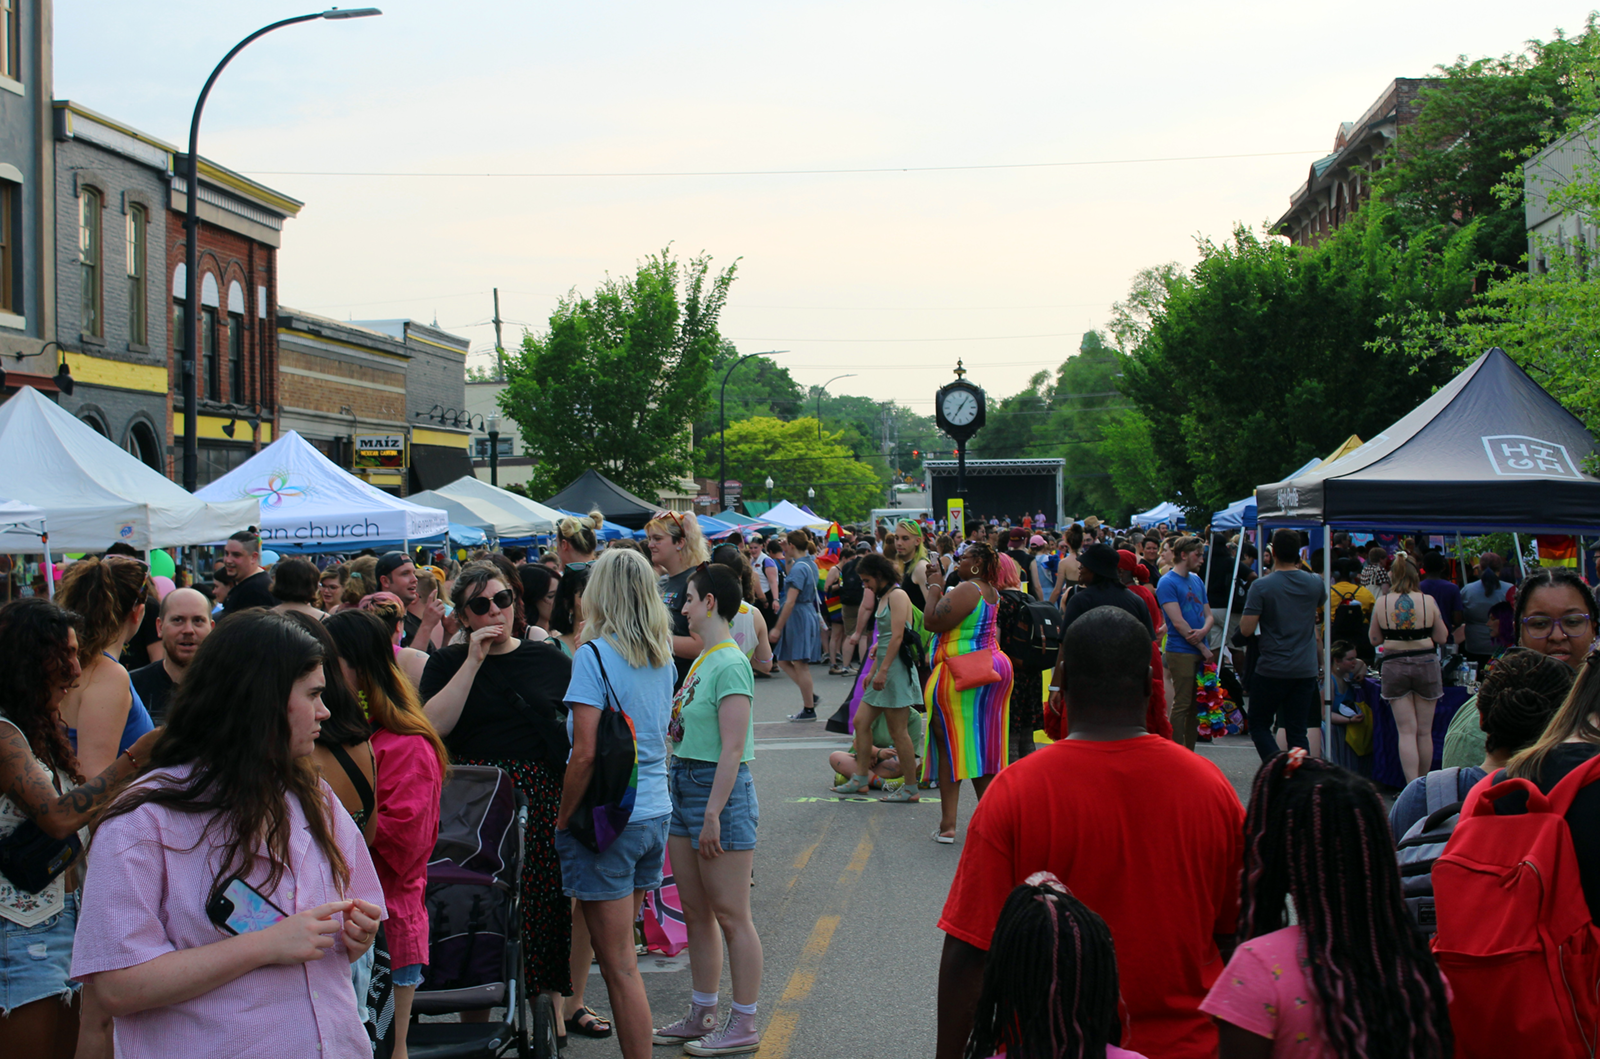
540,1042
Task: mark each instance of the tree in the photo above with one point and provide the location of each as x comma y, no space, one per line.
620,376
761,387
797,460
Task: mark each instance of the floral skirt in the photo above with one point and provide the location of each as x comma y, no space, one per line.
546,911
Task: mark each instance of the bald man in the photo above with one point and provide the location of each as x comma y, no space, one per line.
184,621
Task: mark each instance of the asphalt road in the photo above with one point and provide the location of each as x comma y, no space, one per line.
847,900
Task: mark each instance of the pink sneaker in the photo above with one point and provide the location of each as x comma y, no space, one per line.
735,1038
699,1022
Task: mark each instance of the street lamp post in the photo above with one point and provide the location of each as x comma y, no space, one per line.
769,492
820,389
494,450
722,470
191,236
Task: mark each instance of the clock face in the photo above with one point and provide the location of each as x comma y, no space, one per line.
960,407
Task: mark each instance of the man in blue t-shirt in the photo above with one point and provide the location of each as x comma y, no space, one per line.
1182,596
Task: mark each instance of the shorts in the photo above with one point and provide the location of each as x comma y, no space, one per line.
409,975
1412,675
632,862
690,784
850,612
36,961
833,617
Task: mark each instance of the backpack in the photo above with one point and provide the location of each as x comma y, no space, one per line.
1424,842
1030,631
1349,622
851,591
1515,938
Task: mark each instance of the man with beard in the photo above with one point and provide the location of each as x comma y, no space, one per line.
185,621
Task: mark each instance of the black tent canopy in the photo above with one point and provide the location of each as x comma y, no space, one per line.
592,490
1490,452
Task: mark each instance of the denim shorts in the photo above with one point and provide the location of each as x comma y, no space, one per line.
36,961
410,974
632,862
690,784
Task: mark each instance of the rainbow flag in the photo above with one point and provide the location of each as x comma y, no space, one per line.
1558,551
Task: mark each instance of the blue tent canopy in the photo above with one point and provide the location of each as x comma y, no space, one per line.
1237,515
1168,512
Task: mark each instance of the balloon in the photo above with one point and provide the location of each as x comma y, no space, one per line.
161,564
74,555
163,583
268,557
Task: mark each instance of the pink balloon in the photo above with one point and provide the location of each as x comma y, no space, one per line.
163,585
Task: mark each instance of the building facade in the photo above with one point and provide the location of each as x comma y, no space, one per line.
1552,226
514,465
27,199
236,367
110,262
1339,182
436,376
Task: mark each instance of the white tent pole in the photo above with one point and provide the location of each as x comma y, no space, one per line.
1516,546
1227,615
49,567
1327,635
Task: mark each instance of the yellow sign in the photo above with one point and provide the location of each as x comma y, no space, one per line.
955,516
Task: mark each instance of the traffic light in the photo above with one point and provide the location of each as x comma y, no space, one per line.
915,454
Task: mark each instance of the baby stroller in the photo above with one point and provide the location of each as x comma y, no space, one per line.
475,927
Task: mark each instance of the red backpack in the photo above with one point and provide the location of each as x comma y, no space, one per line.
1516,941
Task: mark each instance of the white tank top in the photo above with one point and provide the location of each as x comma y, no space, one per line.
743,628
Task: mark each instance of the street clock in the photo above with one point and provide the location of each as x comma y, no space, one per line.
959,407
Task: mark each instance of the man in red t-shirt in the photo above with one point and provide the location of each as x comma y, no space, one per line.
1144,832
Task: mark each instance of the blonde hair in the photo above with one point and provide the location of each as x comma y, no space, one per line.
1402,575
622,605
916,557
682,526
582,533
360,579
427,584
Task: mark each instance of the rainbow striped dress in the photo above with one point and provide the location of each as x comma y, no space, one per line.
969,727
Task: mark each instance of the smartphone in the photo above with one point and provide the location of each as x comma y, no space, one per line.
240,908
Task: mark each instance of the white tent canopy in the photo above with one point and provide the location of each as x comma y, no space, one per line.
526,518
21,524
94,493
307,500
1168,512
788,516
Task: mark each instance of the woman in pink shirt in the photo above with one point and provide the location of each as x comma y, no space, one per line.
227,892
411,762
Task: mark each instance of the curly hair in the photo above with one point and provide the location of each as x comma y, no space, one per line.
1519,696
988,560
105,592
35,661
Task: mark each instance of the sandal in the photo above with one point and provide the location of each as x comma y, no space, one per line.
906,792
942,838
589,1023
854,785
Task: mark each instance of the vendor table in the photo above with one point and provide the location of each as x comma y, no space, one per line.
1385,757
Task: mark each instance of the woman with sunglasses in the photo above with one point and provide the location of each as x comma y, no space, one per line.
497,700
103,712
1555,616
676,549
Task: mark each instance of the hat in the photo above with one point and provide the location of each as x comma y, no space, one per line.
1018,534
1100,560
1036,541
389,562
1091,523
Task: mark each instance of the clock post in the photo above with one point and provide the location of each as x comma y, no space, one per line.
960,409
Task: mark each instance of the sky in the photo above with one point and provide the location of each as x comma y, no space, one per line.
902,184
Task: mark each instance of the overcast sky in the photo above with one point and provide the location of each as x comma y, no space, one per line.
890,275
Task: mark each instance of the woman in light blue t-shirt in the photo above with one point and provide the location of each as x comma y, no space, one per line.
624,662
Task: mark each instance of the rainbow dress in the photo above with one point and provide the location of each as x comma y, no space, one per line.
969,727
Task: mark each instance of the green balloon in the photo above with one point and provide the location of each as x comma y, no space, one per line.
161,564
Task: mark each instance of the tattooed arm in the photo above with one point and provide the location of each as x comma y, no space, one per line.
946,610
59,815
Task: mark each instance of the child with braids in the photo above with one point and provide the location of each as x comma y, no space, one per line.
1352,977
1050,982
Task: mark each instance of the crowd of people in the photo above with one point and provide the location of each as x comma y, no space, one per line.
179,764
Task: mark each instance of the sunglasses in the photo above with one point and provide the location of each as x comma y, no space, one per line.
502,599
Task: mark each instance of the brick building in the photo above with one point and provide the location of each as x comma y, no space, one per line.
436,376
241,227
1339,182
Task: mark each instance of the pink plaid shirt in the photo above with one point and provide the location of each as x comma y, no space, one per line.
145,895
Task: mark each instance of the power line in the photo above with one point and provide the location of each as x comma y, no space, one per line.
979,338
794,172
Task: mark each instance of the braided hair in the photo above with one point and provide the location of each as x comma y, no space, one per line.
1050,983
1519,696
987,558
1319,835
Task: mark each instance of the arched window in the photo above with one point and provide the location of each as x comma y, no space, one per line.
143,445
236,373
97,423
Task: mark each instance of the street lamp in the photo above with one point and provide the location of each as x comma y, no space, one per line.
722,470
811,494
494,449
769,493
191,235
821,388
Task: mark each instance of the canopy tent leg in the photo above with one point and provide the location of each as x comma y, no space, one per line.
1327,639
1227,614
49,567
1516,546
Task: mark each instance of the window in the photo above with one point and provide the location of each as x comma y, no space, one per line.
236,358
136,292
180,336
480,447
208,350
8,202
10,41
89,260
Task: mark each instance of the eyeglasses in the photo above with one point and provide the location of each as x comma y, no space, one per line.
1539,626
502,599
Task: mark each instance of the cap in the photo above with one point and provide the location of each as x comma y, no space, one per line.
1018,534
389,562
1036,541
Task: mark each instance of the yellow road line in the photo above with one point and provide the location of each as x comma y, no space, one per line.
775,1039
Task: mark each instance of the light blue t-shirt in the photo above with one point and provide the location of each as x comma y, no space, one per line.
645,695
1189,593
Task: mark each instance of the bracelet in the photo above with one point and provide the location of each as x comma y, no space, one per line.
131,759
1055,687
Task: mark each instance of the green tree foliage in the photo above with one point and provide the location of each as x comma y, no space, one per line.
1273,353
761,386
796,459
620,376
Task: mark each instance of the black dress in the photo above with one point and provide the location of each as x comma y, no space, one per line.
492,730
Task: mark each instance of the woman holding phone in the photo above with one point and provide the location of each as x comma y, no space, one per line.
227,894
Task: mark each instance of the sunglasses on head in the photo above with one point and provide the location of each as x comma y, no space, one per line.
502,599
